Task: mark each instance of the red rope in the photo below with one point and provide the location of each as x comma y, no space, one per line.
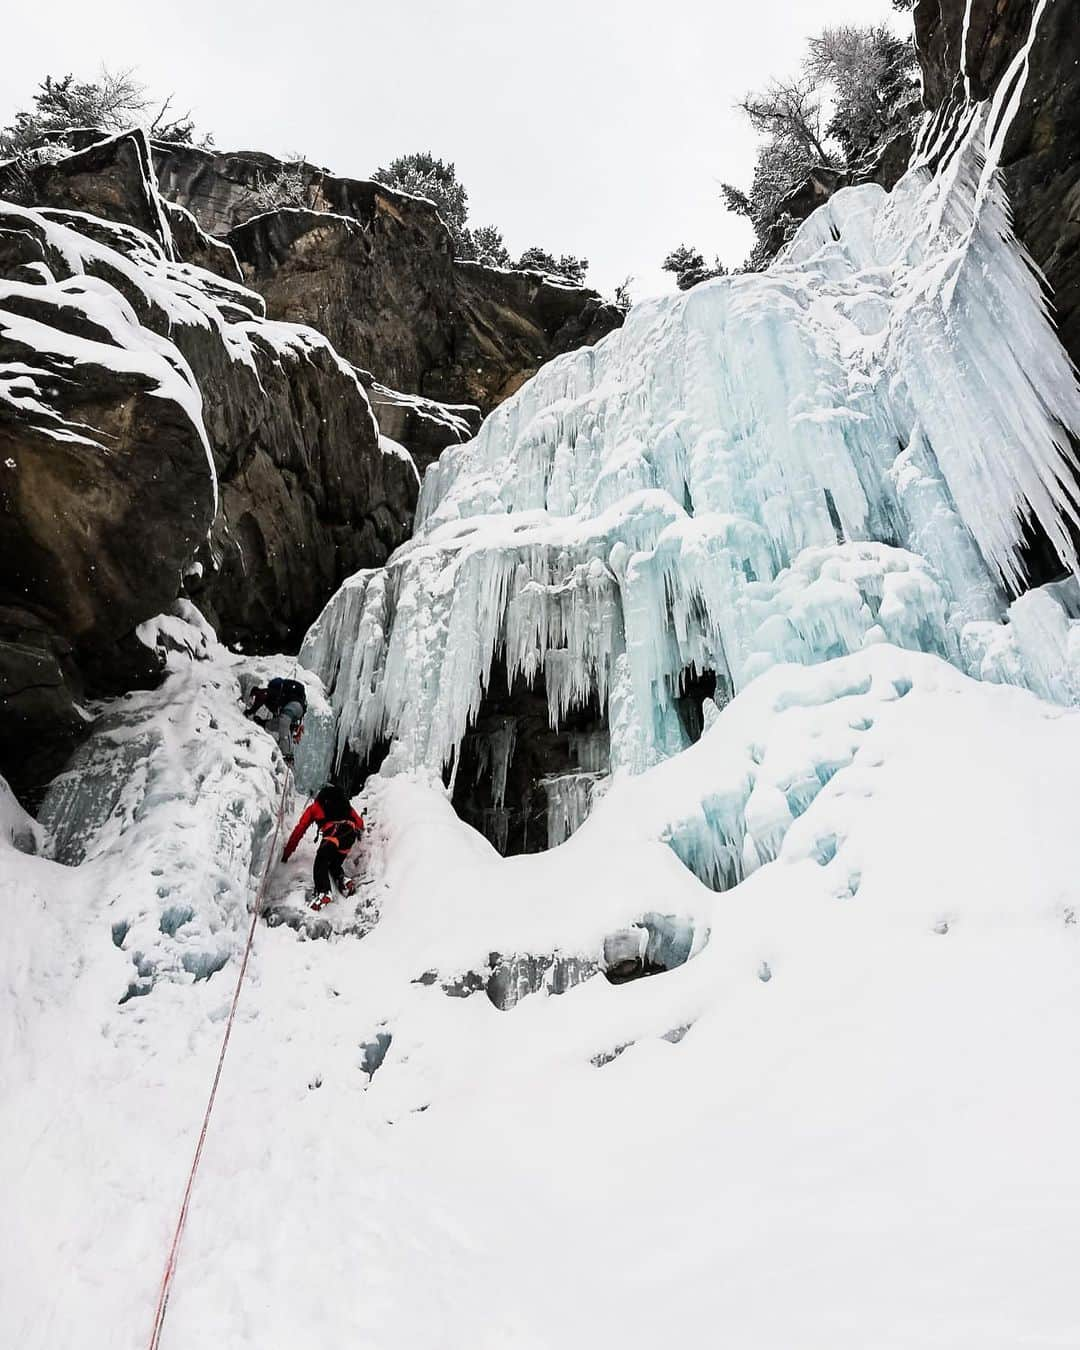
174,1250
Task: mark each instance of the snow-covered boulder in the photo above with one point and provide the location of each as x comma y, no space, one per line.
159,432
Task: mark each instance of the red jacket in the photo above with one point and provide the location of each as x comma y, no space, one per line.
315,815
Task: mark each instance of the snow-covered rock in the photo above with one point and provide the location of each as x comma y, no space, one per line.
159,432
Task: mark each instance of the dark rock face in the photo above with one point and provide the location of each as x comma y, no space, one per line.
307,496
508,324
384,287
997,29
106,488
156,432
1042,151
217,187
374,270
192,244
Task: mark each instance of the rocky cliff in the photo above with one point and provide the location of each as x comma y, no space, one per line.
160,437
966,47
374,270
184,415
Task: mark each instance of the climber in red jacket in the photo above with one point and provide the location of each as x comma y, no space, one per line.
340,827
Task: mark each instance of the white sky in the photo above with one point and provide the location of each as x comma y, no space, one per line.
601,129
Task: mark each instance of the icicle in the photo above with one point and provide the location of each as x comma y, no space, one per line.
569,801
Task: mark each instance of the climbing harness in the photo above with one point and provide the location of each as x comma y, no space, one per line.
256,910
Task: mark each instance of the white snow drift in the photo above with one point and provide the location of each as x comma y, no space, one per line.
848,1119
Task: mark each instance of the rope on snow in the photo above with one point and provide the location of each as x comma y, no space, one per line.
174,1250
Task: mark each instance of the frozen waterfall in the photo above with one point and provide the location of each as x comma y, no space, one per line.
790,466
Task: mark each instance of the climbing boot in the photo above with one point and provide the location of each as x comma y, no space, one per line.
320,902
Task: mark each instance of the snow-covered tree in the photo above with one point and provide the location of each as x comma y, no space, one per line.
689,266
285,186
566,266
872,74
422,175
116,101
489,246
855,91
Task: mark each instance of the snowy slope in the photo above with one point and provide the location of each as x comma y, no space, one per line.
864,1137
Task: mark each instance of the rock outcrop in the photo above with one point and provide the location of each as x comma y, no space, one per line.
110,177
885,168
158,434
425,427
374,270
1041,157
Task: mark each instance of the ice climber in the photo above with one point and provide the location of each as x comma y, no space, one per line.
285,703
340,828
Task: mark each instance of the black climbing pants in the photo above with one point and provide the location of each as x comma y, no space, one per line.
328,868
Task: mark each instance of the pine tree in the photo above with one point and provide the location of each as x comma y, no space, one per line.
488,246
689,267
422,175
566,266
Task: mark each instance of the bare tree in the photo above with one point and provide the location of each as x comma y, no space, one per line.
286,186
855,91
790,110
115,102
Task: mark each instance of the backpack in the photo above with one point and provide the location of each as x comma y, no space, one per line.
341,833
334,802
280,691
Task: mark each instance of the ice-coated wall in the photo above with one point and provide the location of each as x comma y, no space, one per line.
170,805
783,467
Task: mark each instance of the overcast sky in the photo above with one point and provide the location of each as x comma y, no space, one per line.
600,129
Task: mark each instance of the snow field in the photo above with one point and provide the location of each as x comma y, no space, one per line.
864,1137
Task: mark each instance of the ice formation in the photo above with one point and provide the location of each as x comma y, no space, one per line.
569,801
170,803
888,993
786,467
